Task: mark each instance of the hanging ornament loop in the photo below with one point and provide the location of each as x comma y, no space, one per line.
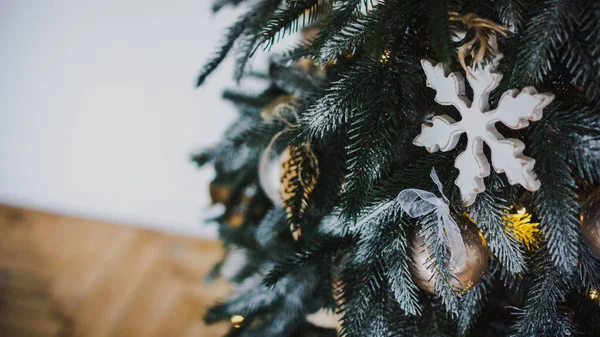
417,203
264,175
472,21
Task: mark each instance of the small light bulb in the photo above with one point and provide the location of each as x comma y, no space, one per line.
237,320
594,294
522,211
385,57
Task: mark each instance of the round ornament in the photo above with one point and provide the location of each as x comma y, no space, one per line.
590,221
269,175
273,178
219,193
468,274
235,215
326,319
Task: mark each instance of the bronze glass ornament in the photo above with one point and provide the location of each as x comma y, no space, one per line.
467,275
590,222
219,193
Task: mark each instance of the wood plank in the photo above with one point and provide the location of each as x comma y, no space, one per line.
152,300
106,301
83,265
63,276
178,316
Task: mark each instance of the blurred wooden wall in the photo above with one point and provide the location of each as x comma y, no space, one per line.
70,277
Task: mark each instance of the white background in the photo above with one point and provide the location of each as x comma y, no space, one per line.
98,109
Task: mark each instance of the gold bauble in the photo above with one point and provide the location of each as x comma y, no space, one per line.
590,222
467,275
236,219
235,214
219,193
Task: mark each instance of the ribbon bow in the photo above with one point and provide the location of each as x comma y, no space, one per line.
417,203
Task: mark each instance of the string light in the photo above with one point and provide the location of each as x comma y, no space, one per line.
594,294
519,225
237,321
385,57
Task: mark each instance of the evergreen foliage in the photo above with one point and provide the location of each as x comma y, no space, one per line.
360,95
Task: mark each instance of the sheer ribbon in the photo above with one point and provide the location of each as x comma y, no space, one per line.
417,203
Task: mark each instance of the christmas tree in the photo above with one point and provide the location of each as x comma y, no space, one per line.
361,209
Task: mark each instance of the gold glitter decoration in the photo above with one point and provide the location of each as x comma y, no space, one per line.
519,225
594,294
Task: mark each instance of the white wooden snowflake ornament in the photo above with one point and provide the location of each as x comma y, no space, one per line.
515,110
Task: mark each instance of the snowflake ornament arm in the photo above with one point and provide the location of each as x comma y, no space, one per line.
514,110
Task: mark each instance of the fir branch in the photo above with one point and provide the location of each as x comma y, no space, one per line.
433,322
233,33
346,40
366,158
326,195
302,49
333,109
557,206
237,237
439,30
376,227
386,319
245,48
555,202
541,42
247,303
473,302
315,252
287,20
438,256
251,35
247,26
332,225
581,129
244,140
513,14
414,173
377,129
204,157
271,226
372,29
541,315
252,104
362,286
488,212
581,54
219,4
398,273
343,14
292,307
588,269
305,85
380,235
